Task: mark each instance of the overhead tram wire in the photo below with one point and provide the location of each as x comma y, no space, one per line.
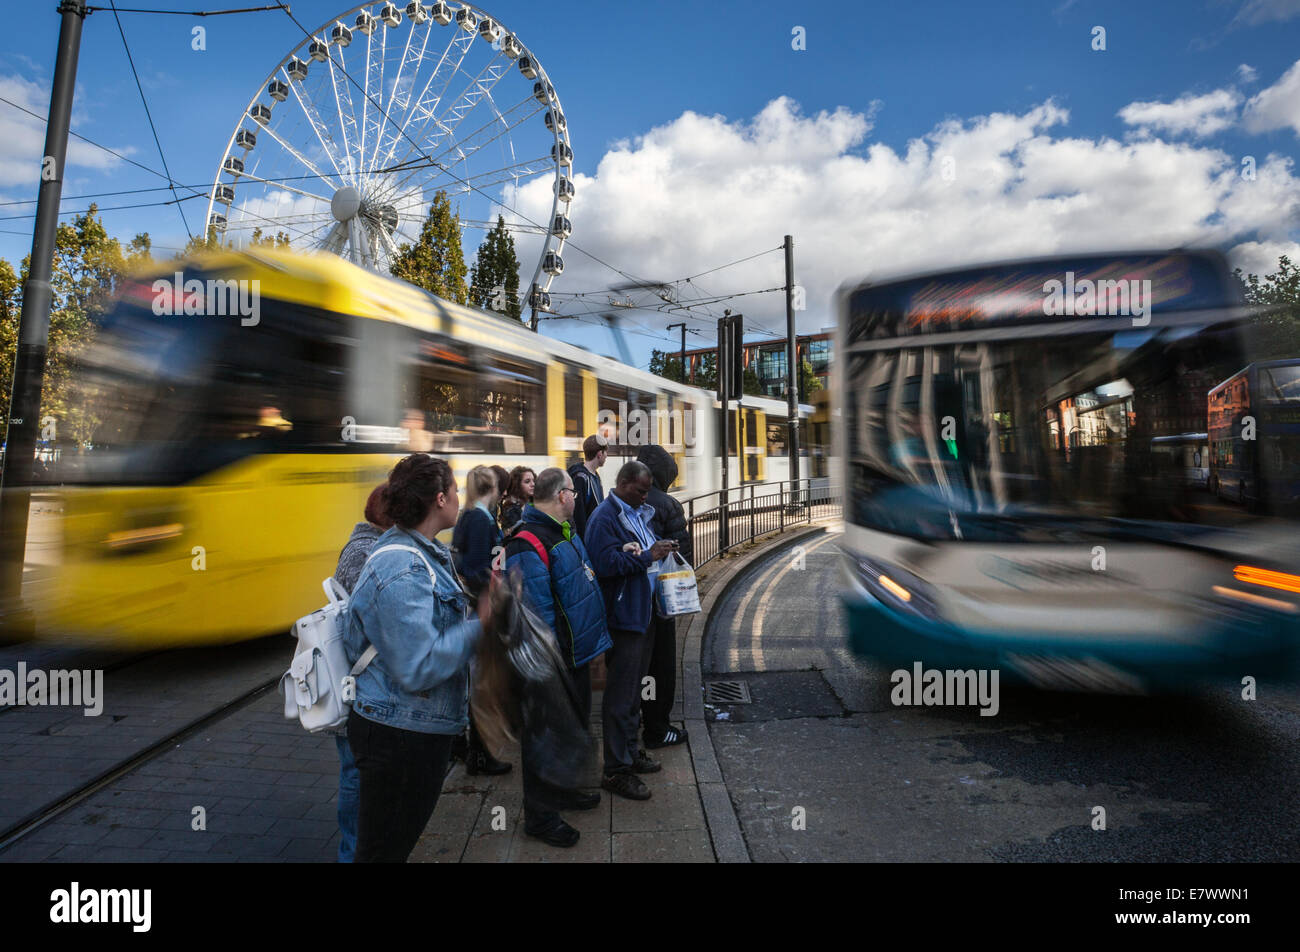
148,115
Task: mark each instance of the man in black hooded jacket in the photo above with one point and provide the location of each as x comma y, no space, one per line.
669,522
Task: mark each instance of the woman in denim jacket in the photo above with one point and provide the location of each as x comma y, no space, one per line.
411,700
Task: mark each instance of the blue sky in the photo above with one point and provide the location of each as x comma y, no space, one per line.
840,144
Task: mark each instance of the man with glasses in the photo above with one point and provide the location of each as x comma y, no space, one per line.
560,584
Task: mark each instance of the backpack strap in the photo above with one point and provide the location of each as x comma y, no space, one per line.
368,655
536,543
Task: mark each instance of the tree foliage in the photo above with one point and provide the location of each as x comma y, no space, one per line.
435,262
1277,331
494,279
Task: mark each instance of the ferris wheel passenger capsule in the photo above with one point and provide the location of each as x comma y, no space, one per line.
553,264
467,20
564,189
246,139
441,13
318,50
543,92
390,15
340,35
539,300
528,67
561,227
297,70
417,12
365,23
217,223
225,194
489,29
260,114
555,121
278,90
511,46
561,153
233,165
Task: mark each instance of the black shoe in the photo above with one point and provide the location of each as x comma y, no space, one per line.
670,737
581,801
557,834
643,763
481,762
626,785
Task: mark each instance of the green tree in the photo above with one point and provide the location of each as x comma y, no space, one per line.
435,262
494,279
668,364
210,241
280,239
1277,332
809,382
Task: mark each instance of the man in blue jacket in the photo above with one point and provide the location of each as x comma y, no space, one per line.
626,554
560,585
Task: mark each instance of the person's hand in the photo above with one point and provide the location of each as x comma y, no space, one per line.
633,547
660,549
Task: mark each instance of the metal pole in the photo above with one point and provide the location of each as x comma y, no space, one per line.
34,333
724,388
791,351
683,364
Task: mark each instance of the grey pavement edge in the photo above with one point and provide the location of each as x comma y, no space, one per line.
719,813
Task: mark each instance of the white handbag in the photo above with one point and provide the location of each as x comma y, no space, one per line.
319,686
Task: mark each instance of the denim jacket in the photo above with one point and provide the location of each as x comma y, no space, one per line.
425,634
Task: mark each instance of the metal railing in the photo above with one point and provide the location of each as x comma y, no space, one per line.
720,521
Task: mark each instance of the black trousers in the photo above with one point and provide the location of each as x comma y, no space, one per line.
626,664
401,778
663,668
543,801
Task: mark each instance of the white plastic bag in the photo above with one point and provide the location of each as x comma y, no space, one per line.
676,590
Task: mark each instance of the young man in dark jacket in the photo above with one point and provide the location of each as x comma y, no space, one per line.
669,522
626,554
586,481
560,584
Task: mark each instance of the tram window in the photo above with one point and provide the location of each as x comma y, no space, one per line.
776,436
476,404
573,402
612,406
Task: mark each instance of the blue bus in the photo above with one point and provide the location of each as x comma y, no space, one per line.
1012,503
1254,432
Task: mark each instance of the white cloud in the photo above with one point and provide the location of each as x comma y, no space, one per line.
22,137
701,191
1260,257
1255,12
1276,107
1199,115
1247,73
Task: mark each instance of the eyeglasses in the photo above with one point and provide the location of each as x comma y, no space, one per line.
566,489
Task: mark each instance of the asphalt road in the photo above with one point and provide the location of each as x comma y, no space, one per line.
1206,777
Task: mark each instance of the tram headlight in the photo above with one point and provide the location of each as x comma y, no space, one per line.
897,588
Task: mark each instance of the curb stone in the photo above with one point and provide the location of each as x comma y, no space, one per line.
719,813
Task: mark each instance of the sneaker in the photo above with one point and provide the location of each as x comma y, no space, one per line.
558,834
626,785
670,737
643,763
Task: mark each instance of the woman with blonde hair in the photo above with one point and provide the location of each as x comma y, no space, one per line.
474,542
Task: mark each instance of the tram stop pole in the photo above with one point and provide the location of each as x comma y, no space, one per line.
792,373
16,620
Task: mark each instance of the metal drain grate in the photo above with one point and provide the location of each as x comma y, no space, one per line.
727,692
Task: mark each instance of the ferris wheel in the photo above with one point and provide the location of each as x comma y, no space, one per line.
349,138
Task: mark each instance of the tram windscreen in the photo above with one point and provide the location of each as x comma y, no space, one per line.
1041,438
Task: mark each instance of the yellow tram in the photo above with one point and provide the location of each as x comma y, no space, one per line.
231,455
